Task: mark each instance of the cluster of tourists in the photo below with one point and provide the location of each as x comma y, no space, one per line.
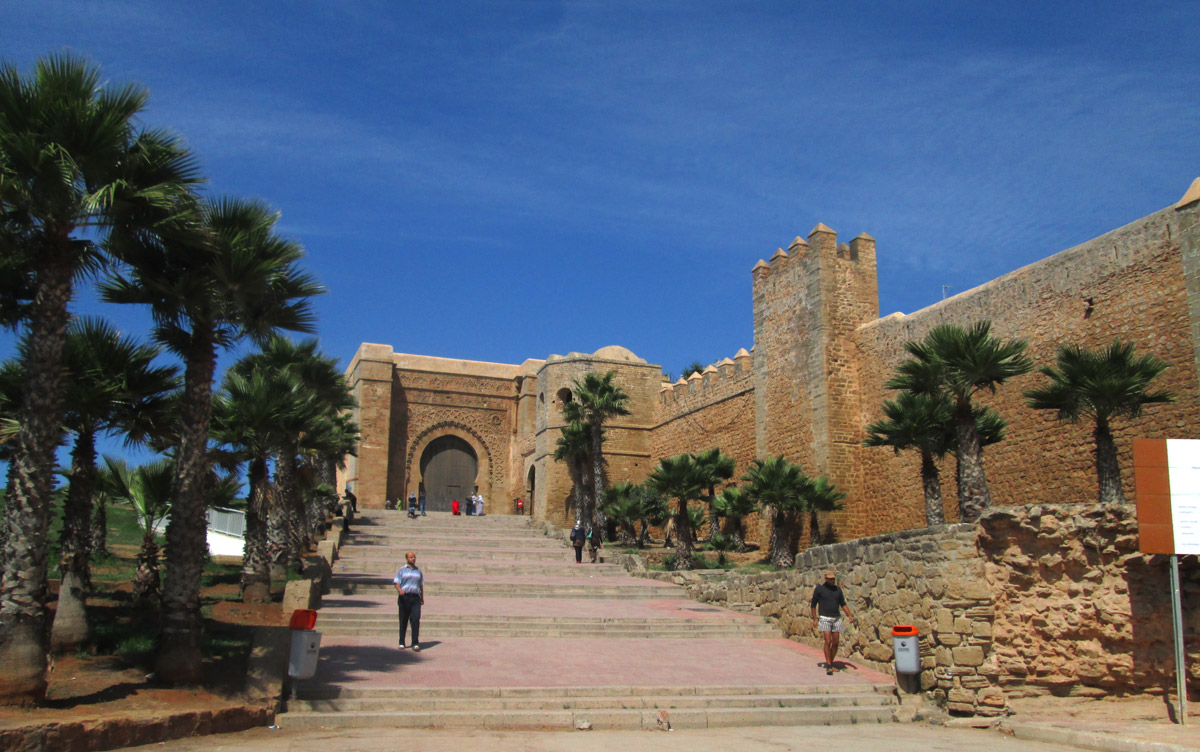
473,507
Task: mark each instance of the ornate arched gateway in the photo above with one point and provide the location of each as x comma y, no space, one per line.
449,469
449,461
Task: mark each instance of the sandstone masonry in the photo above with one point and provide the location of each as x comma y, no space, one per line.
811,383
1032,600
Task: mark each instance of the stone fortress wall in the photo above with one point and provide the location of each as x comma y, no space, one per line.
1127,284
813,381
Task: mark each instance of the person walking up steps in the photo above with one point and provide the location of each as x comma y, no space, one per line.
826,599
577,537
410,590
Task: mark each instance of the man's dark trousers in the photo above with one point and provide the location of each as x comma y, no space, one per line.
410,610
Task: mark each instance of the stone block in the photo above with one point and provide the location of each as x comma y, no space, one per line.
992,697
266,667
968,655
943,620
317,569
328,548
299,594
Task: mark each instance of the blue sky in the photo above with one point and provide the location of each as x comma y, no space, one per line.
505,180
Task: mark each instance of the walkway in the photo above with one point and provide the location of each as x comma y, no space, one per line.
514,634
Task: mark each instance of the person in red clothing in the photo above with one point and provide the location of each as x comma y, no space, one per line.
454,506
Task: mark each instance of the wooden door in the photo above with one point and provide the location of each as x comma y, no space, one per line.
448,469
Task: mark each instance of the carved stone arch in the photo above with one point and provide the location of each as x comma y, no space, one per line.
478,444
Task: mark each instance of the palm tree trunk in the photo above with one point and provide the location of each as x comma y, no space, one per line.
179,660
256,567
644,535
577,491
99,540
814,529
146,582
23,582
683,539
974,497
70,628
285,476
932,482
712,512
277,537
596,519
785,536
1108,468
733,529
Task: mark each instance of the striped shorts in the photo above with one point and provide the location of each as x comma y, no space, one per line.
830,624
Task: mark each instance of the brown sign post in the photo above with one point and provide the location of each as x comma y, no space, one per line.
1167,478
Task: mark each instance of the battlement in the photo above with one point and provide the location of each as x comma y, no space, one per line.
821,243
708,380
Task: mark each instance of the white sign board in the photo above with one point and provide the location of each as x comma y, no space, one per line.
1183,467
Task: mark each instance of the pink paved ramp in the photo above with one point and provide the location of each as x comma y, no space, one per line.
366,662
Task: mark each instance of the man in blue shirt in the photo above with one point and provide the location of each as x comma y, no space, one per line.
410,589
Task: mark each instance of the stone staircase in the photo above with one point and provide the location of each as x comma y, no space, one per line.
517,635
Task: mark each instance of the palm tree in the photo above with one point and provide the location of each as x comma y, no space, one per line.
316,427
73,165
781,487
715,468
923,422
961,363
652,510
734,504
599,400
573,447
623,505
249,414
926,423
678,478
207,290
147,489
1101,385
114,386
821,496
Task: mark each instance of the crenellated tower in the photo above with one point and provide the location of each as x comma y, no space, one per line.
808,301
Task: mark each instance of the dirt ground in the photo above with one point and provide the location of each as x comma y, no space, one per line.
86,686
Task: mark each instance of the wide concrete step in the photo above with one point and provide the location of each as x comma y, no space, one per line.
453,541
720,630
388,615
469,553
601,707
516,568
427,704
311,691
447,522
350,586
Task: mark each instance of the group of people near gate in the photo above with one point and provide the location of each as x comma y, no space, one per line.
473,507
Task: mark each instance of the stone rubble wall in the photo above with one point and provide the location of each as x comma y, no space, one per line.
1033,600
1079,610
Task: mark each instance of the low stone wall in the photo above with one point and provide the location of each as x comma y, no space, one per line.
1032,600
1079,610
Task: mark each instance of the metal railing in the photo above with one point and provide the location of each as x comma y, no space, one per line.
227,521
